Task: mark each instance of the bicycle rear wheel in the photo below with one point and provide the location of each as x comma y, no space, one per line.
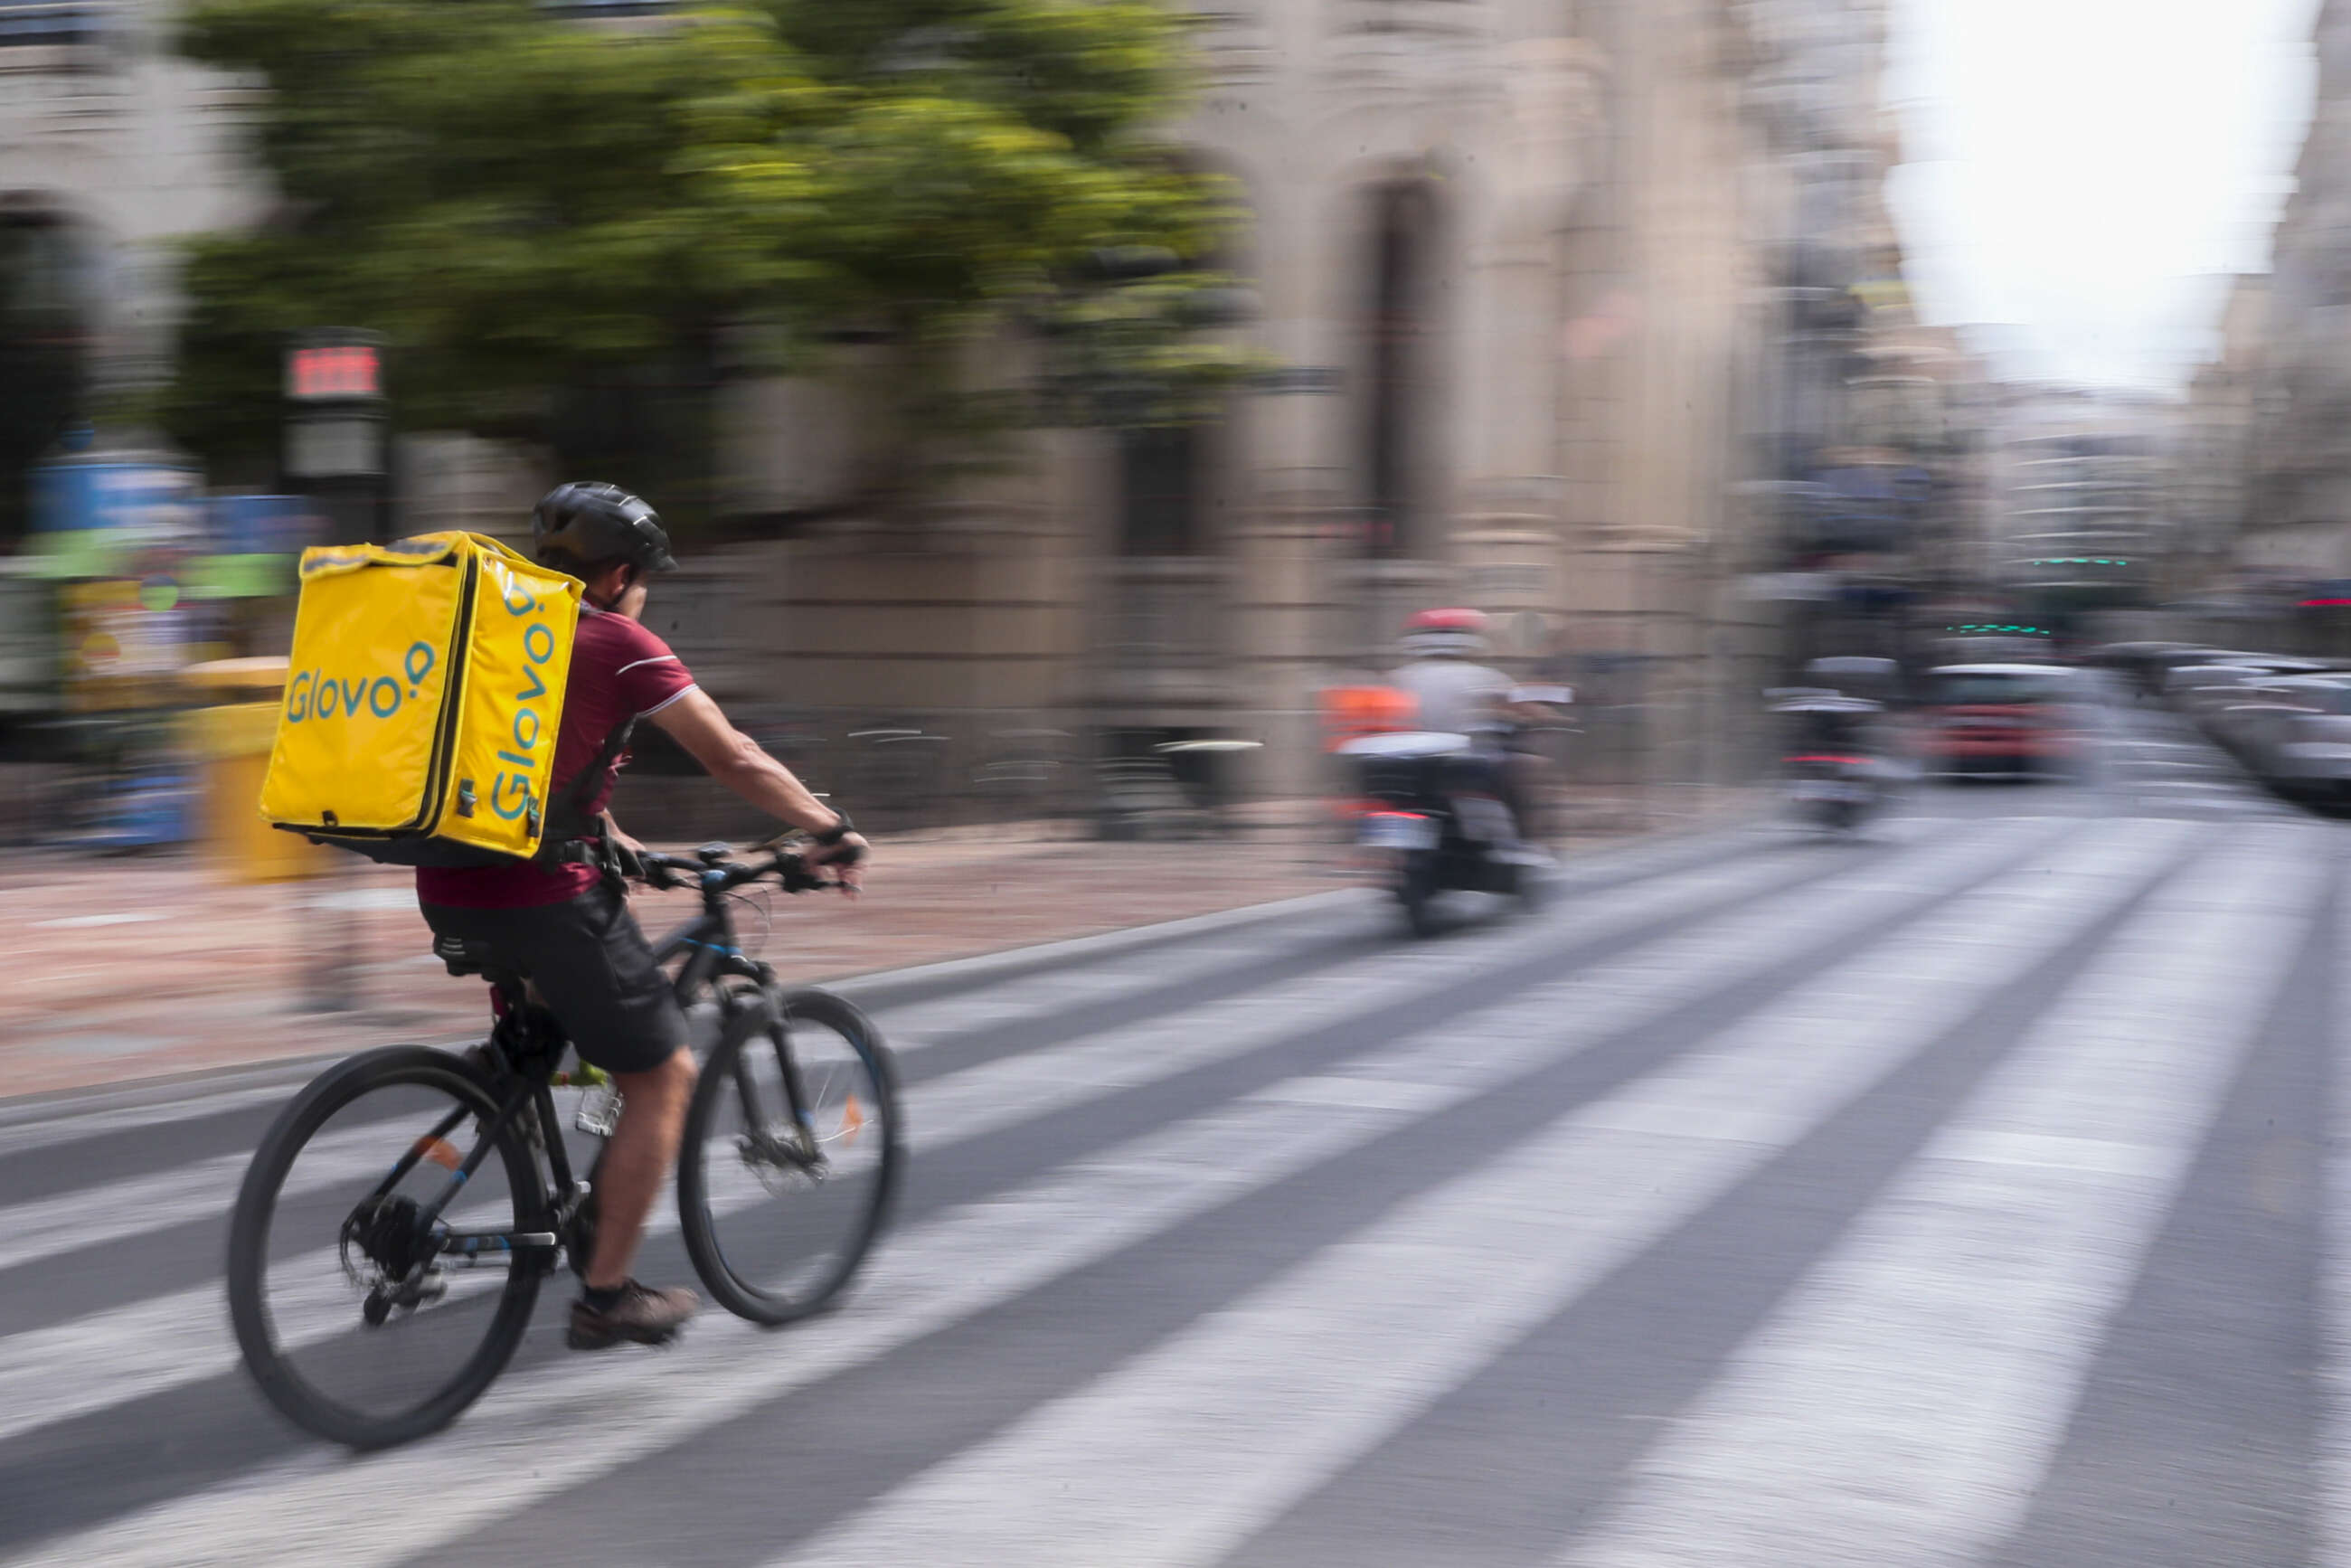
355,1323
792,1155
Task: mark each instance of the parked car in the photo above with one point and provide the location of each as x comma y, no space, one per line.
2201,691
2294,732
2013,721
2143,665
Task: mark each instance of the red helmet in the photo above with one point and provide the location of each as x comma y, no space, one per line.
1458,632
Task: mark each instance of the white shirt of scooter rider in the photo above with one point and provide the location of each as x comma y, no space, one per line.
1455,696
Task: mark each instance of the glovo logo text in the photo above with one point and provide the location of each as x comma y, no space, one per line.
323,694
510,794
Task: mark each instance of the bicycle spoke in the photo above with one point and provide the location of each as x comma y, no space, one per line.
781,1205
359,1313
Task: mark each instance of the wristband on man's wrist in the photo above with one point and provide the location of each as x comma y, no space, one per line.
835,833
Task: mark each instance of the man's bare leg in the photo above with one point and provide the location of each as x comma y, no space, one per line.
643,1148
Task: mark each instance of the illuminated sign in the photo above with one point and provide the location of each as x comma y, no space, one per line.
340,370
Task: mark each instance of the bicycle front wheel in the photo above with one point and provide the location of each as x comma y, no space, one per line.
792,1155
359,1320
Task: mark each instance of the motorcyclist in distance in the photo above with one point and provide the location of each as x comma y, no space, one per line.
1455,694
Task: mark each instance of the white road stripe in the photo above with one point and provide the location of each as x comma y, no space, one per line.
1183,1453
171,1340
75,1125
1900,1404
915,1027
186,1194
388,1508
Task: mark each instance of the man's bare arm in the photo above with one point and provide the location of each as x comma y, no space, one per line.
735,760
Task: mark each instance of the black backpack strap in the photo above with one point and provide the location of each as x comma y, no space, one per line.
568,822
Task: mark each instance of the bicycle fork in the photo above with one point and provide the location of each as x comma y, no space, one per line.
750,1024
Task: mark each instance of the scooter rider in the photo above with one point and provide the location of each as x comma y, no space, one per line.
1457,696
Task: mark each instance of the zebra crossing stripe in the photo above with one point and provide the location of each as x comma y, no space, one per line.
70,1126
913,1027
1900,1404
1182,1454
192,1194
181,1337
388,1508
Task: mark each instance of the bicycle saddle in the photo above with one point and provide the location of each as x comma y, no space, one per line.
463,955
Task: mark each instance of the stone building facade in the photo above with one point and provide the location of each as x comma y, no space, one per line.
110,148
1547,283
2298,497
2218,537
1553,283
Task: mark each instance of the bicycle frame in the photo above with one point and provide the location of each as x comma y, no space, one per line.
521,1044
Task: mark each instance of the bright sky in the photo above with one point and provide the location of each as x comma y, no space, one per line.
2085,173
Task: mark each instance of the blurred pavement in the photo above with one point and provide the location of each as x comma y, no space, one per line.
125,968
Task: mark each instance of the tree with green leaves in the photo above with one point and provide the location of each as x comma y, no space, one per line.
529,204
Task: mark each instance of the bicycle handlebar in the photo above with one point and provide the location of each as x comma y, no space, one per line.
788,866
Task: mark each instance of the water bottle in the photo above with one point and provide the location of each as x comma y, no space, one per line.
599,1108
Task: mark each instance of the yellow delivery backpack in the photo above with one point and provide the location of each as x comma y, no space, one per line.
421,701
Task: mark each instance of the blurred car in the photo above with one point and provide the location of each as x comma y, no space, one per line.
2142,665
2012,721
2294,732
2203,690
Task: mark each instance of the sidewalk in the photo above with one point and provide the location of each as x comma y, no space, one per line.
137,968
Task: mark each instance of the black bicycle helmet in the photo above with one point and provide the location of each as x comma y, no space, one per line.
587,524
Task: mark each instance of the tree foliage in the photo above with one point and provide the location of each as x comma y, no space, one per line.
526,202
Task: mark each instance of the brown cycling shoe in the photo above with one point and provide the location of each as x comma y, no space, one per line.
639,1314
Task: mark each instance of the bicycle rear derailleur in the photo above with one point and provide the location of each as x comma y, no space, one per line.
391,1236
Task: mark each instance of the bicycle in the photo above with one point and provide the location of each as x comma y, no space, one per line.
795,1113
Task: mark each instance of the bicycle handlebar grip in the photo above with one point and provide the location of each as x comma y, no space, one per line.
793,872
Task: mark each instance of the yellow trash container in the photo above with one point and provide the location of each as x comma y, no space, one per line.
231,735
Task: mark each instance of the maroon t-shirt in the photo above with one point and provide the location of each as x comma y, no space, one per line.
619,671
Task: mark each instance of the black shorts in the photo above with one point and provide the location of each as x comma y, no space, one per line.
593,970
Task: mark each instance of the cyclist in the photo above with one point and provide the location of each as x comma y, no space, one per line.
568,924
1457,696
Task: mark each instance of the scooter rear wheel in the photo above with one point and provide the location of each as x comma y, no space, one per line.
1416,891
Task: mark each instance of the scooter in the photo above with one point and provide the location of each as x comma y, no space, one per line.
1436,816
1834,780
1836,792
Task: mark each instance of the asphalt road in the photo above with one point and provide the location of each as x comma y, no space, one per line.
1974,1193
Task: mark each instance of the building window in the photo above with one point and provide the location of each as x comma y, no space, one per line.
1159,491
51,23
48,311
1397,411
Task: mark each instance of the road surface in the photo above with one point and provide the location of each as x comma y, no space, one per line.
1974,1193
